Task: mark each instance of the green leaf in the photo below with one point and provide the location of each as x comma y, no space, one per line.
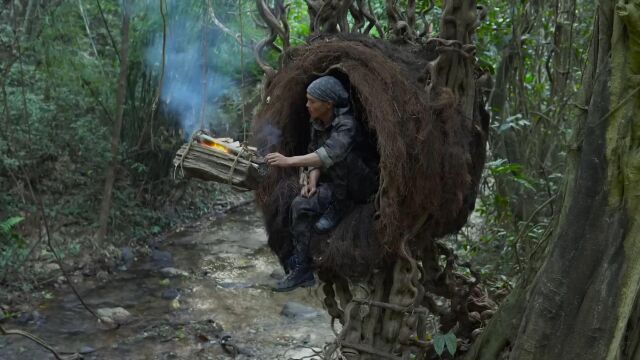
8,224
439,343
451,342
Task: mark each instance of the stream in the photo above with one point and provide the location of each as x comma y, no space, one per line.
203,293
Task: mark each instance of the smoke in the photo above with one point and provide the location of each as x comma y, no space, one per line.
270,137
183,90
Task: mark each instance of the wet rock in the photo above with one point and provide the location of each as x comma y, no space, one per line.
173,272
32,317
102,276
126,257
50,268
169,356
86,350
161,259
170,294
116,315
296,310
215,326
175,304
88,270
234,285
277,274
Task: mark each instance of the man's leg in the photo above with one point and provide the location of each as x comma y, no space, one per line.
304,212
351,181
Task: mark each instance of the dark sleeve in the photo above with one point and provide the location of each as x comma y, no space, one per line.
339,143
313,142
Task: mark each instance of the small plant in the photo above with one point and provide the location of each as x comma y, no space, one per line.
12,245
442,341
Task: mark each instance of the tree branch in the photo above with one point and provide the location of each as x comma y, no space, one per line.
38,341
106,25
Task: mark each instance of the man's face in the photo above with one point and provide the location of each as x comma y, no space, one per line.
319,109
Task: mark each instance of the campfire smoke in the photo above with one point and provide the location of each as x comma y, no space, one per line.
271,137
186,74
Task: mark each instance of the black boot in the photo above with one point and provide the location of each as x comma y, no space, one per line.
330,219
300,275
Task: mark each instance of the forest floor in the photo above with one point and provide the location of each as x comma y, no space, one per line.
200,292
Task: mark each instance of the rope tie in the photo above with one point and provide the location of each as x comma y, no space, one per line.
235,162
184,154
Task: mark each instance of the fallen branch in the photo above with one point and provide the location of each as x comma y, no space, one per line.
38,341
57,258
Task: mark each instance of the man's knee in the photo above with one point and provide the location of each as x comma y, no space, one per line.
301,203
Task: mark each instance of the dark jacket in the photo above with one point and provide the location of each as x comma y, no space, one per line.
333,143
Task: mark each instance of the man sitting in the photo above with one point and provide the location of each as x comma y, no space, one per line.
337,176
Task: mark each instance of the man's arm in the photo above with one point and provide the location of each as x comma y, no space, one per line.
279,160
334,149
314,176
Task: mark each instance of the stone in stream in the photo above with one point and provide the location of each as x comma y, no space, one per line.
51,268
170,294
173,272
102,276
161,259
86,350
116,315
234,285
126,256
30,317
277,274
296,310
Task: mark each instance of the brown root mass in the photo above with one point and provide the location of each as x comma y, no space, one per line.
431,156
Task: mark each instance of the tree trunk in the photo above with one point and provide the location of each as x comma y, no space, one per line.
583,302
110,175
563,47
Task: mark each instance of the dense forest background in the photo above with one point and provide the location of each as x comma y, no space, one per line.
190,65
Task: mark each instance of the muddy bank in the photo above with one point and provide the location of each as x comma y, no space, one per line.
202,293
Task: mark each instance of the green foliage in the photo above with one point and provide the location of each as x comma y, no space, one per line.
7,225
298,18
57,104
445,341
501,168
12,245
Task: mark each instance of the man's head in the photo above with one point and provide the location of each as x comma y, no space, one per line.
324,95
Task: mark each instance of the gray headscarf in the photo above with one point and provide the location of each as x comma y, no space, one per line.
328,88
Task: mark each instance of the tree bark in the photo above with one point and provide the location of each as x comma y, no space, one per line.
110,175
583,302
563,47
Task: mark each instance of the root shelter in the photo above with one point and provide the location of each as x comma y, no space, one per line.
430,155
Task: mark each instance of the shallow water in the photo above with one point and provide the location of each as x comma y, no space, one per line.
228,286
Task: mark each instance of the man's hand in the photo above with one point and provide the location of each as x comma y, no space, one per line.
311,187
308,190
278,160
